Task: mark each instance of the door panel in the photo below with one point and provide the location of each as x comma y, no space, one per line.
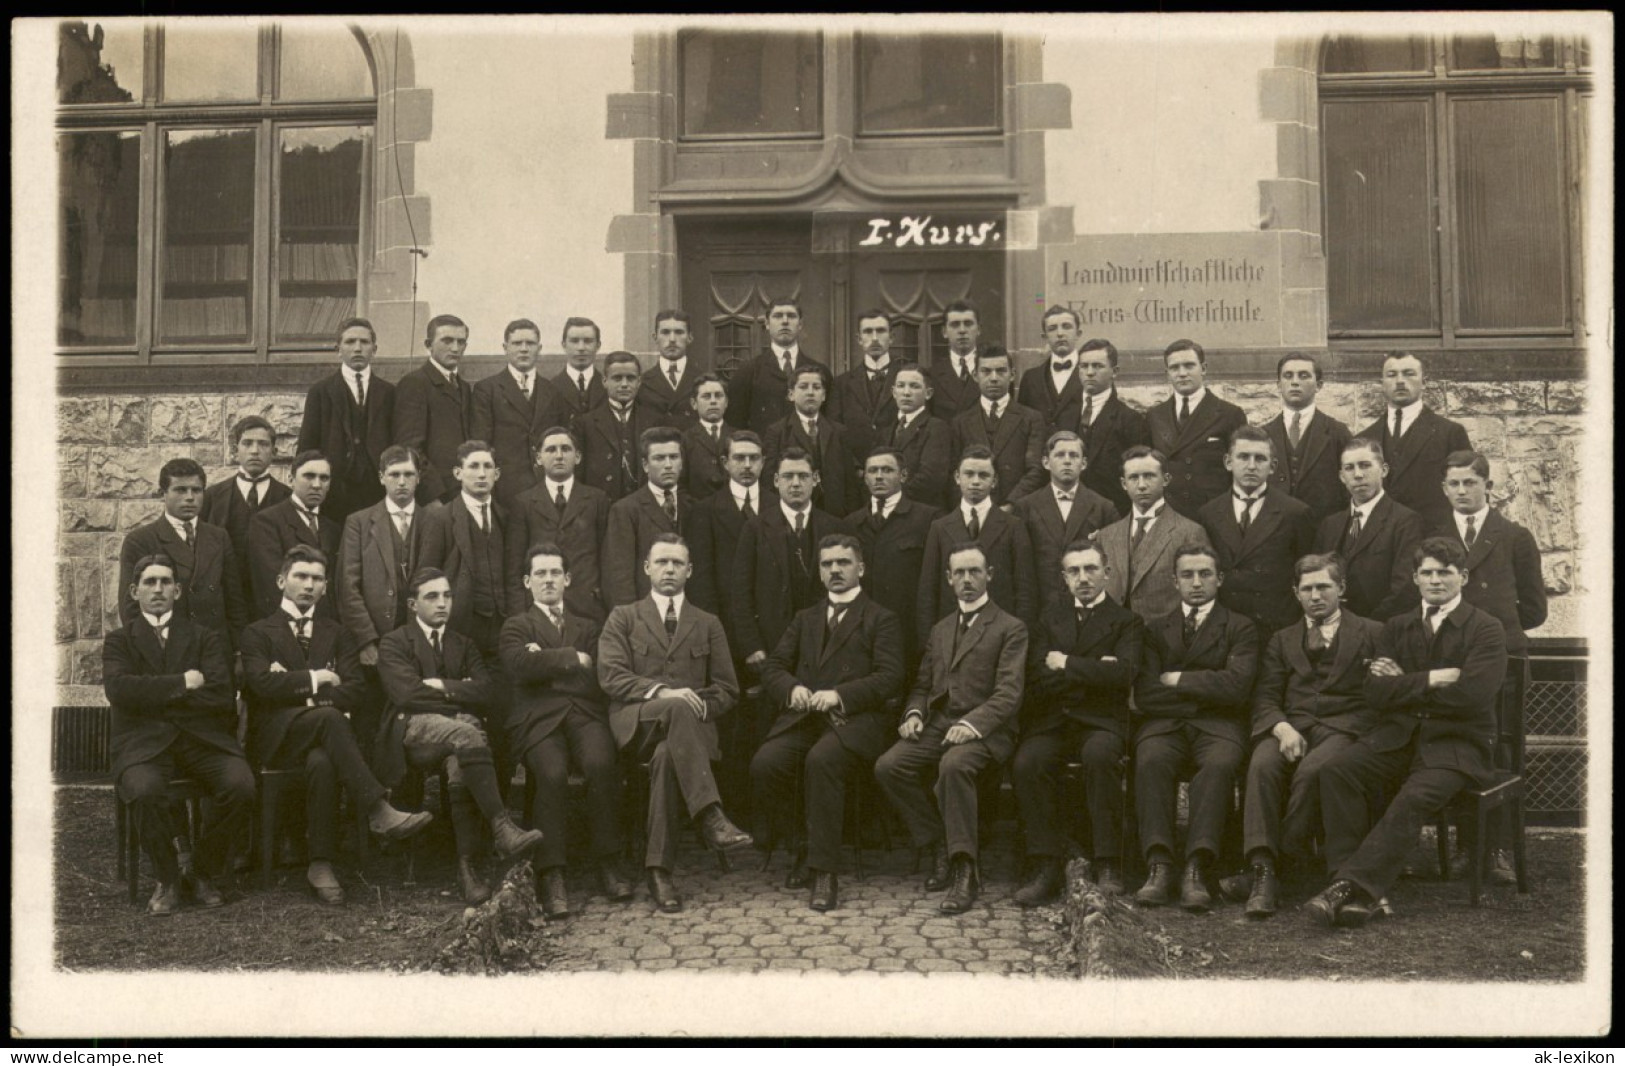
914,289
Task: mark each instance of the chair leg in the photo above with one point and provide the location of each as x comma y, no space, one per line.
1476,856
1441,832
1519,863
363,835
118,835
270,798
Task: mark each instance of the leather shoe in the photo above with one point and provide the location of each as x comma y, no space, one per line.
719,833
1193,893
1044,885
392,824
1264,897
1158,890
470,883
966,887
166,900
796,879
1361,910
1109,877
826,891
203,893
613,882
940,874
663,891
510,840
1325,907
325,883
555,900
1236,887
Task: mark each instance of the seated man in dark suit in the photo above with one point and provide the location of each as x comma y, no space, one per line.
231,504
1062,513
1192,428
169,687
1191,699
830,679
1415,440
665,666
1308,442
296,520
924,442
959,722
560,509
892,530
350,418
705,441
558,716
636,520
820,436
302,678
1080,665
439,696
1434,683
1374,537
1013,434
1308,706
1003,538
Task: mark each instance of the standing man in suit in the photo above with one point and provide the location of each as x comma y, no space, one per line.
1081,663
668,386
758,391
350,418
1308,443
892,530
665,666
1053,386
476,527
1192,429
1108,426
578,385
1191,699
609,433
1307,708
1415,440
960,719
439,698
560,509
1006,546
821,437
302,679
829,678
512,407
169,687
1434,683
953,381
559,716
1259,534
233,503
705,441
1374,537
1065,513
1013,434
716,523
862,399
636,520
296,520
1146,538
925,443
434,407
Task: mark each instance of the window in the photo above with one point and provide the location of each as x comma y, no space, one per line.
739,84
212,187
1452,170
930,83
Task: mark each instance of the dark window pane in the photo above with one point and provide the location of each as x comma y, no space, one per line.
99,179
732,345
1375,55
318,229
210,61
905,341
208,233
932,82
1509,213
1502,53
750,83
99,64
322,63
1380,246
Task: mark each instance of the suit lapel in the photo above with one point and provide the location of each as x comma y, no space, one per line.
146,642
460,522
1207,633
849,624
1314,442
1149,554
1205,414
1347,638
382,534
1411,444
1264,525
177,549
1484,543
973,635
1293,638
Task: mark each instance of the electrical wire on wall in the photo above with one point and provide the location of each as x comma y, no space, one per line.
400,182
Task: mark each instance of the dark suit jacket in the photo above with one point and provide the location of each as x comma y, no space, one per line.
327,427
458,538
838,487
579,531
862,661
714,527
205,571
703,472
146,691
1038,392
1142,579
1313,478
761,602
666,405
1379,560
224,506
635,655
276,698
548,683
1216,676
1416,461
370,585
949,394
634,523
1289,690
270,534
894,559
1196,452
571,402
405,659
758,394
513,427
1009,553
849,404
1018,448
1089,690
1258,565
1116,429
980,682
602,464
1050,535
1503,576
1453,726
927,445
435,417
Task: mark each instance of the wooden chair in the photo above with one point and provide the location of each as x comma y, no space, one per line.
1471,810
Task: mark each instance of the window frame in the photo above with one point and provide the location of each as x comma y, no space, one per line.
999,86
821,49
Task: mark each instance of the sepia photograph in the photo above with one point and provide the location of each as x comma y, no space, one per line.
1042,526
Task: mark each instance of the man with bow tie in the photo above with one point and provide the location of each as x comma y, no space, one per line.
924,442
636,520
830,679
893,529
1052,387
513,407
231,504
705,441
862,398
296,520
668,386
434,407
558,718
349,417
560,509
169,686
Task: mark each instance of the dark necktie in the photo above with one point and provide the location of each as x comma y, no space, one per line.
1471,534
1061,368
310,520
405,522
1184,410
789,364
1294,432
186,532
1432,619
559,499
965,620
1141,521
746,509
670,506
1353,533
964,370
254,494
811,425
716,433
439,657
671,372
1315,639
1083,616
581,383
301,628
162,633
993,419
524,386
1399,424
973,524
485,518
1246,511
360,390
877,517
801,524
671,618
1188,630
555,616
837,611
1088,411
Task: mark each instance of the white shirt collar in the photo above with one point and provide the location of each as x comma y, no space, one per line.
659,493
473,505
1201,612
1308,414
179,526
366,378
553,487
1092,604
1252,497
521,376
429,631
981,509
1153,514
575,375
794,352
661,601
1195,398
968,361
743,493
681,363
409,510
245,484
1329,625
842,598
790,513
1407,416
1444,611
987,405
159,622
617,409
292,611
887,506
1072,496
884,364
1478,518
1364,509
909,419
444,371
299,505
967,608
804,419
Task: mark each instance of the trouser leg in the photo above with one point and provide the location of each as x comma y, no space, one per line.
957,774
1212,791
321,805
1349,785
1303,814
594,750
830,767
1035,773
1102,757
328,728
776,772
145,787
548,764
1158,762
1265,795
901,774
1376,864
230,786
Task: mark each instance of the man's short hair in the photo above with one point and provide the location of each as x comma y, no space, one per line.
1252,433
438,321
672,314
666,538
875,312
1445,549
709,377
657,435
1057,309
180,468
1145,451
1196,547
887,449
1370,444
785,301
309,455
1057,437
961,307
1479,463
553,431
993,351
1299,357
577,322
797,454
351,323
518,324
1087,544
907,365
840,540
399,453
1400,353
421,578
1331,562
810,370
1185,344
966,546
546,547
742,436
1098,344
303,553
251,422
155,559
974,451
469,447
622,357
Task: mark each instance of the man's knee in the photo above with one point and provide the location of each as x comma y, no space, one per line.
236,785
143,784
963,762
1033,761
888,768
1101,751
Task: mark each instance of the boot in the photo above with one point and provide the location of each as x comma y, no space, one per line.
719,833
470,883
966,887
796,879
325,883
1328,904
1262,900
392,824
1193,893
1109,877
555,899
1158,890
1044,884
940,874
613,882
511,840
1236,887
826,891
165,901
